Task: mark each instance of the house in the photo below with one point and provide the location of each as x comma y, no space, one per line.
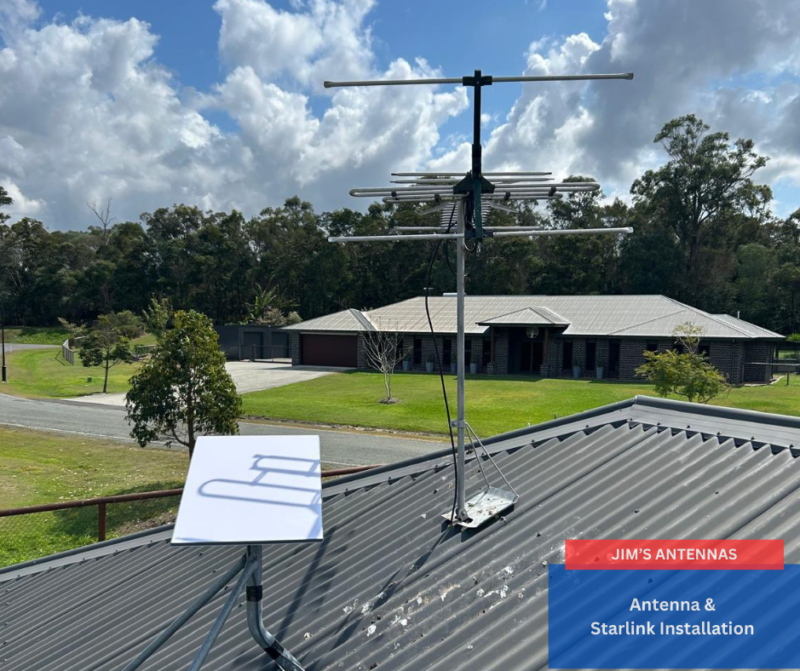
252,341
551,336
392,587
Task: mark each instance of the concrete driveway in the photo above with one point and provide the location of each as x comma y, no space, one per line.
247,376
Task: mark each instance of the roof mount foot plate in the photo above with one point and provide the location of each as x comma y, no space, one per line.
490,503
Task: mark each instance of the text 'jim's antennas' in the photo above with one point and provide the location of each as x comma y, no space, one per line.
463,197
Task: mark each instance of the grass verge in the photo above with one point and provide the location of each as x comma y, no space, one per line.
42,373
38,467
494,404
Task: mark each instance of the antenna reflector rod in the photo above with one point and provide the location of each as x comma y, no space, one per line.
562,231
392,82
460,80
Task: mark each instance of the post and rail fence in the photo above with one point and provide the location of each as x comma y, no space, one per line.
67,353
30,532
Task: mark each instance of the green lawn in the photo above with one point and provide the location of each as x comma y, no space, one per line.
43,373
40,467
494,404
36,335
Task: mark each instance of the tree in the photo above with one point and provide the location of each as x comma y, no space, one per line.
270,309
103,215
701,195
158,317
688,373
108,342
183,390
5,199
384,351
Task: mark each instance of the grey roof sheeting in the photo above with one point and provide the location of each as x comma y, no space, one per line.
391,587
528,317
639,316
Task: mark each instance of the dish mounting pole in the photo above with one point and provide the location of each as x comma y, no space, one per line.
248,569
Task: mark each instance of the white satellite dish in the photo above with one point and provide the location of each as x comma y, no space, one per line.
246,490
251,489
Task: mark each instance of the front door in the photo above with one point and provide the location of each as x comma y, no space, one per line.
613,358
537,356
531,355
525,358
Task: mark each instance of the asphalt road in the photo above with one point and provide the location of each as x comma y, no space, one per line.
338,447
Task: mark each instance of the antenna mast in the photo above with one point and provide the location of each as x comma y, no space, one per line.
465,196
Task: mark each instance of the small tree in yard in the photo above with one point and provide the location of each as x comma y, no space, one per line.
183,390
108,342
384,351
157,316
688,373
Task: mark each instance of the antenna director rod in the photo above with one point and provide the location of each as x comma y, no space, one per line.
386,238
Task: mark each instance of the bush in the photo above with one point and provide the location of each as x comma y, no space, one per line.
689,375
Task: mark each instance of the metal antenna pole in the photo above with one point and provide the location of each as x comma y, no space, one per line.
461,504
3,336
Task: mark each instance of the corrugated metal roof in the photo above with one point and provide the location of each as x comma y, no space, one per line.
641,316
747,327
391,588
345,320
528,317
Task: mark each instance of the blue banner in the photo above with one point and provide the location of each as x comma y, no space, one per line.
674,619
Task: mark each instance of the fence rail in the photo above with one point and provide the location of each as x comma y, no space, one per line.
43,529
67,353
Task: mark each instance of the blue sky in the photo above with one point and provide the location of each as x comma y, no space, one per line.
456,36
219,105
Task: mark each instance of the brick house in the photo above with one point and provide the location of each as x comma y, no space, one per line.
549,336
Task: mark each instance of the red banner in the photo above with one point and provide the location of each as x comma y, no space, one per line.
670,555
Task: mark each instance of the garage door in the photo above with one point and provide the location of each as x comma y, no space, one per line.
328,350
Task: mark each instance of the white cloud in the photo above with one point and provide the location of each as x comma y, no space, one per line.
87,112
328,41
717,59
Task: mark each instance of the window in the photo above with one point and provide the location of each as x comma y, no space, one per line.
651,347
417,351
467,352
704,349
591,355
487,351
566,356
447,351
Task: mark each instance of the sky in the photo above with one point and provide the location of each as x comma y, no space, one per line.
220,103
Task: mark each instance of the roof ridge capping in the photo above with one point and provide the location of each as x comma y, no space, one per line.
716,319
718,411
363,319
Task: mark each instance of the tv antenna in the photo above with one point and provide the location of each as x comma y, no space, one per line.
246,490
464,197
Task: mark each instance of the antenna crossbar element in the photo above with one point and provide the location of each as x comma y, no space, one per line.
461,174
389,238
461,80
